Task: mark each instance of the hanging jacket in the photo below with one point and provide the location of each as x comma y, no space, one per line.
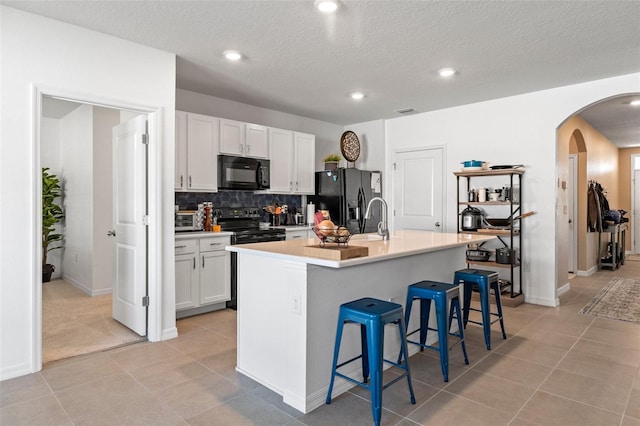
594,212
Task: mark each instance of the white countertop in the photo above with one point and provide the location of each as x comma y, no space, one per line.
401,243
200,234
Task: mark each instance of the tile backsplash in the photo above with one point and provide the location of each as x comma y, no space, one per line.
190,200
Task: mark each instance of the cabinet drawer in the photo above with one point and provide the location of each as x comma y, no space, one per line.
213,244
186,246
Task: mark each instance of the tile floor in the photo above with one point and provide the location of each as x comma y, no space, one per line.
556,368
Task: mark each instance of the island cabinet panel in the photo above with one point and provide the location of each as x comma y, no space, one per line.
288,305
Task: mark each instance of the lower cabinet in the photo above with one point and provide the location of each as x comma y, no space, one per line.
203,273
298,234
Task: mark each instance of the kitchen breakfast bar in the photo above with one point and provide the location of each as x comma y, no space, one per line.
288,304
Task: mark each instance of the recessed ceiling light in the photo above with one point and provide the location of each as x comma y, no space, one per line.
446,72
357,96
326,6
232,55
635,103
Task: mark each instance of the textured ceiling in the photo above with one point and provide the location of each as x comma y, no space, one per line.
300,61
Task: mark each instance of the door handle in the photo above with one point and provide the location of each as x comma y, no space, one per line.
111,233
437,224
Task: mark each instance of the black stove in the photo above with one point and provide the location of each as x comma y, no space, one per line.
244,222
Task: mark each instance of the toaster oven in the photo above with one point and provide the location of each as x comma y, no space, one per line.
187,220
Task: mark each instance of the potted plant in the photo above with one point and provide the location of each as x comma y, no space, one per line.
331,161
52,214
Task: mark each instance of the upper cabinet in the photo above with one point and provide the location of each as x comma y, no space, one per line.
292,157
243,139
197,145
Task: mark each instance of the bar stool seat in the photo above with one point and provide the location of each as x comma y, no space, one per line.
486,281
372,315
440,293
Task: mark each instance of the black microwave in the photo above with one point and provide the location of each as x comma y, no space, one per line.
242,173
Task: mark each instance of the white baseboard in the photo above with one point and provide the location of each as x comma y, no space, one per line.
86,290
588,272
169,333
15,371
540,301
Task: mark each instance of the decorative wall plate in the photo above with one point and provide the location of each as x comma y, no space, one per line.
350,146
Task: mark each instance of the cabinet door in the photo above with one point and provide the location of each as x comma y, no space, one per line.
202,153
297,235
232,137
187,281
180,178
215,277
305,158
256,141
281,159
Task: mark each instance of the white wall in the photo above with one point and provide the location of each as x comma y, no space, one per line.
327,134
60,58
371,137
76,153
515,130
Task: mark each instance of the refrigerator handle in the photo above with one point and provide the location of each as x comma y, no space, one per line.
361,205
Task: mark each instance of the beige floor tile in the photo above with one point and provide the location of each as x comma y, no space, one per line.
168,372
546,337
23,389
348,409
43,411
140,411
614,338
630,421
187,325
73,372
492,391
396,398
221,358
532,351
597,367
620,355
84,401
448,409
190,398
633,407
547,409
200,341
562,323
513,369
244,410
136,356
596,392
427,369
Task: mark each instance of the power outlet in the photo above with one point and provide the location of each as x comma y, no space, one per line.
296,303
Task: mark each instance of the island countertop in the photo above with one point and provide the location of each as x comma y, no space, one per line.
400,244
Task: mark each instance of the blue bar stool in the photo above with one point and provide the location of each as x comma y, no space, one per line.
486,281
372,315
440,293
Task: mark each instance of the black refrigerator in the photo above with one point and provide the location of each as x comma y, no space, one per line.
346,193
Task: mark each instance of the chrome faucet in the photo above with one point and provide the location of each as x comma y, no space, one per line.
383,227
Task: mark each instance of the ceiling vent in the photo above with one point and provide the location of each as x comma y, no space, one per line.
404,110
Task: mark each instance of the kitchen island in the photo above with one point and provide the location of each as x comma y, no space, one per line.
288,304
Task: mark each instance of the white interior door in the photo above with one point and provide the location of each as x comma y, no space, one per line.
130,230
418,190
636,210
572,202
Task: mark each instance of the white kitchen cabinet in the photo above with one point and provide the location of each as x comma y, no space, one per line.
215,270
299,234
187,274
180,178
197,145
256,141
292,157
243,139
203,273
305,160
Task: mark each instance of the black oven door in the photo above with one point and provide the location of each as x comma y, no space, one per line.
238,172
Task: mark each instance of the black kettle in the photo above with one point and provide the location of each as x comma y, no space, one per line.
471,219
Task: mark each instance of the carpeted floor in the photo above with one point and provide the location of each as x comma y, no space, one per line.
75,324
619,299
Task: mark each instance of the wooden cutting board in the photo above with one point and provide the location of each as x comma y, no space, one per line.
336,252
